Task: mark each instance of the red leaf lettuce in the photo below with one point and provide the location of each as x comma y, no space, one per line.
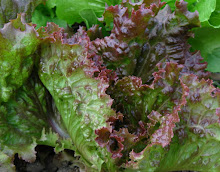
136,100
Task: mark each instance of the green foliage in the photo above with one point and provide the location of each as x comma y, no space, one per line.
22,120
207,41
67,12
46,13
6,163
18,42
214,19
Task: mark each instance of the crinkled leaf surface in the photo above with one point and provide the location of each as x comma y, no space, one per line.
121,49
206,37
172,124
167,41
18,41
150,114
22,120
160,36
80,97
10,8
196,145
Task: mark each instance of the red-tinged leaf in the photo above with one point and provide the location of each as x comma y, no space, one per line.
150,113
202,108
115,145
94,32
167,41
78,89
164,134
197,135
103,136
135,100
142,36
121,49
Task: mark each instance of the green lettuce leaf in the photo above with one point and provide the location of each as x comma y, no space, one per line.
214,19
18,42
6,163
196,145
207,41
44,13
69,12
51,138
22,120
204,8
85,10
79,96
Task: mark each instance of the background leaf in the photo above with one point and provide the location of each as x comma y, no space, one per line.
46,13
208,10
207,41
214,19
10,9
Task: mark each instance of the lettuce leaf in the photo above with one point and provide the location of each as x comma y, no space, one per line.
207,9
167,41
79,96
214,19
161,36
150,113
22,120
18,42
68,13
131,101
197,136
208,14
44,13
6,163
10,9
171,125
85,10
207,41
120,50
